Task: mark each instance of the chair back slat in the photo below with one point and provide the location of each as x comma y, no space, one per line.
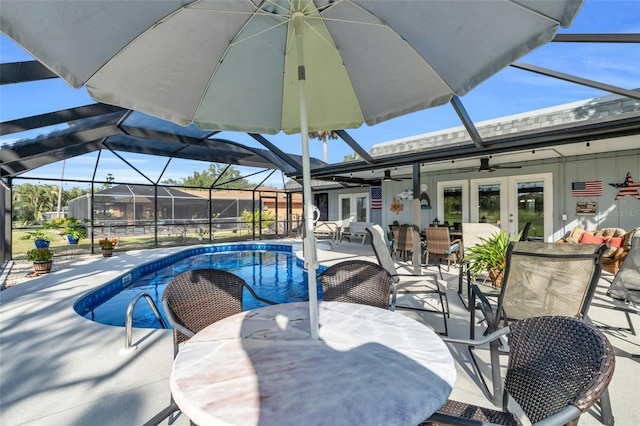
549,279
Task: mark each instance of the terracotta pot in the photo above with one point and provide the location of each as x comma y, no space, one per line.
107,252
43,267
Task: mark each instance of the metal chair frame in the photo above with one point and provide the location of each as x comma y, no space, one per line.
385,259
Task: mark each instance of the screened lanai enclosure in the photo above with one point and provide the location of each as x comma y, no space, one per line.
144,210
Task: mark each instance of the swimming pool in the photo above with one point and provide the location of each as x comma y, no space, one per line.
272,270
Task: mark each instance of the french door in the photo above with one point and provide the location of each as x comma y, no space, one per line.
513,201
356,205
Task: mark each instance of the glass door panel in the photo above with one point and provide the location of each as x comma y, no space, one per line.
489,203
452,205
532,194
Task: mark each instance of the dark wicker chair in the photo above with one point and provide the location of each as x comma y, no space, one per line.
539,279
358,281
195,299
558,368
385,259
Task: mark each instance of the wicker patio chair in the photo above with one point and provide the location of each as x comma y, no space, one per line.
194,300
558,368
385,259
358,281
539,279
438,244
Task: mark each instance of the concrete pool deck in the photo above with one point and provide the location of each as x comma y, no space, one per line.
57,368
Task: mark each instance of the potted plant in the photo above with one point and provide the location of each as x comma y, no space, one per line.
107,245
40,238
42,259
490,256
201,233
74,230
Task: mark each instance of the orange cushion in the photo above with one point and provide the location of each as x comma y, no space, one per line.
615,241
587,238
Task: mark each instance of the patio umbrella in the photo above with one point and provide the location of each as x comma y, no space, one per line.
251,65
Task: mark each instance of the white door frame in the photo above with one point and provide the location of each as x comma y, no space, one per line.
464,183
352,204
509,199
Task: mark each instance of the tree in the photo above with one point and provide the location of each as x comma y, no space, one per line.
323,135
351,157
30,201
109,179
206,178
267,217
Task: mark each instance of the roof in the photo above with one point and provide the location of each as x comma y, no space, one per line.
99,126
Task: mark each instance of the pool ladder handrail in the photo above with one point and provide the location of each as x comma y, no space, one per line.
129,320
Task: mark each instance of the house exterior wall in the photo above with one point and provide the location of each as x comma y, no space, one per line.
608,168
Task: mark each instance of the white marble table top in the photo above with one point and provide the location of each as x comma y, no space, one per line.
370,366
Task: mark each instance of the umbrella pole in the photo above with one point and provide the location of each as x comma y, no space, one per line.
310,254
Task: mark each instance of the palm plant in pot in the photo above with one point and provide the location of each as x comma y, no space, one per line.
42,259
74,230
39,236
490,255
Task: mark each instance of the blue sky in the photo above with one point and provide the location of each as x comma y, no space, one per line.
511,91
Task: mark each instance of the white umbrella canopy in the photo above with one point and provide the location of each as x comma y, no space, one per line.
242,66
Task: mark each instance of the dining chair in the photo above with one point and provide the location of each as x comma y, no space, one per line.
539,279
438,244
194,300
404,237
558,368
358,281
387,261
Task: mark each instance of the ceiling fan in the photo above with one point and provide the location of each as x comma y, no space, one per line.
486,167
387,177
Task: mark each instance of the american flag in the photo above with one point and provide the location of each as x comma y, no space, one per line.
376,197
586,189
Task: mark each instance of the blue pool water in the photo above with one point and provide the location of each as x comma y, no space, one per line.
271,270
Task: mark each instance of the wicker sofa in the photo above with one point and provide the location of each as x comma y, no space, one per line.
618,239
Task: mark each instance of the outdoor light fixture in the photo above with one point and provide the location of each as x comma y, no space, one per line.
387,176
588,146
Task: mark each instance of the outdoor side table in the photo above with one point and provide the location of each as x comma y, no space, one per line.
370,366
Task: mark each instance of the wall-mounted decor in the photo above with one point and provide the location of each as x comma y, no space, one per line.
376,197
425,201
627,188
396,206
586,208
586,189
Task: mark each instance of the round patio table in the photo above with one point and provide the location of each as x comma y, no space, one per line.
370,366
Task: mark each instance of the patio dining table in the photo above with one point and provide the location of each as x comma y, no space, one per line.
369,366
